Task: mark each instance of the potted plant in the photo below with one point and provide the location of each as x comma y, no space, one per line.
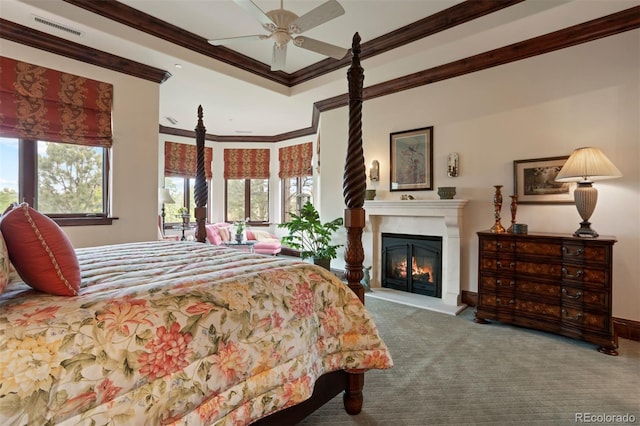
240,230
312,237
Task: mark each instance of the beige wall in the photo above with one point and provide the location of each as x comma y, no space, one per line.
134,155
545,106
540,107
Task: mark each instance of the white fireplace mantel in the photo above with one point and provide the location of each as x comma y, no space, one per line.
441,218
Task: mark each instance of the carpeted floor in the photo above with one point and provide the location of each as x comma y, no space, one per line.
452,371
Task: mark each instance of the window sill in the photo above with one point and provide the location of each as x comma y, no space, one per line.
83,221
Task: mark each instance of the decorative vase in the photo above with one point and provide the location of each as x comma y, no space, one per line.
446,192
497,227
514,209
369,194
322,262
239,238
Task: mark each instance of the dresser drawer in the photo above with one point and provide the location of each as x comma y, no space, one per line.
539,249
585,319
581,274
539,309
580,253
539,269
493,283
534,288
499,264
498,301
589,298
498,245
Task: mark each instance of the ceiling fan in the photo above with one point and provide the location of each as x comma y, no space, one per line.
283,25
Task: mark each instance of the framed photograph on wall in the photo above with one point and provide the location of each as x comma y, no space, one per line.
534,181
412,160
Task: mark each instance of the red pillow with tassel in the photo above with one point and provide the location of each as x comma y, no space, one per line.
40,251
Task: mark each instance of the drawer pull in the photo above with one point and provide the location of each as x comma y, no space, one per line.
567,252
499,301
511,265
578,273
501,284
499,245
577,317
578,295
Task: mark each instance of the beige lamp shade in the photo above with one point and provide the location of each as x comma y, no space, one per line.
165,196
584,166
587,164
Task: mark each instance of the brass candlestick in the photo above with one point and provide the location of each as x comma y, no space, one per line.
514,209
497,227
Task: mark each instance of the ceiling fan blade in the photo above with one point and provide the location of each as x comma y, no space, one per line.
320,47
232,40
279,58
253,10
321,14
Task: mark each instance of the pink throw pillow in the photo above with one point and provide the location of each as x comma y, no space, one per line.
224,233
40,251
213,235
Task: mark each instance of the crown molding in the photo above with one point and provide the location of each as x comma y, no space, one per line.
443,20
47,42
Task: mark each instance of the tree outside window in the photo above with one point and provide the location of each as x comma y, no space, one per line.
296,191
182,191
247,198
58,179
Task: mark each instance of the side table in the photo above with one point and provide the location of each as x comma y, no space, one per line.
243,245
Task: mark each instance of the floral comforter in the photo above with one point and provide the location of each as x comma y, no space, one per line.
177,333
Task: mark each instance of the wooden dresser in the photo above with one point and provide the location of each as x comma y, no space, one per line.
552,282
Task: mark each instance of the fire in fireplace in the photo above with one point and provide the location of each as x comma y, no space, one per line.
412,263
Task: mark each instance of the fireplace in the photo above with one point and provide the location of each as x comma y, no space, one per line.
412,263
440,218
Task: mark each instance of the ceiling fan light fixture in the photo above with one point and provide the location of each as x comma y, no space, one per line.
282,24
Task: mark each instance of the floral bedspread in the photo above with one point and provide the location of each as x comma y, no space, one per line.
177,333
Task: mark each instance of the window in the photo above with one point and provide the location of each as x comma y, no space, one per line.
295,192
8,172
246,176
65,173
64,181
181,190
247,198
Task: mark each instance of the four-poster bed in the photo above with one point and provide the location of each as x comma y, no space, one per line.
171,332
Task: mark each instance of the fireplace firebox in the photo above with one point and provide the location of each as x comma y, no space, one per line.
412,263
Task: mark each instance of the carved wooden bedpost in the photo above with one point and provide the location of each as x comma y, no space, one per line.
200,188
355,176
354,185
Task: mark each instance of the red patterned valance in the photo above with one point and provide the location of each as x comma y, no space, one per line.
44,104
180,160
296,160
246,163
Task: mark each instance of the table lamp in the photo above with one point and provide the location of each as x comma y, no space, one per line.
165,198
586,165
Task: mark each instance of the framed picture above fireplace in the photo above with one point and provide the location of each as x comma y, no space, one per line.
412,160
534,181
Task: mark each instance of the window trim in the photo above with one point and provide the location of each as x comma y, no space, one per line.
28,186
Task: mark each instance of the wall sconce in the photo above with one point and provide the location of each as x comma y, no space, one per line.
374,171
453,164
